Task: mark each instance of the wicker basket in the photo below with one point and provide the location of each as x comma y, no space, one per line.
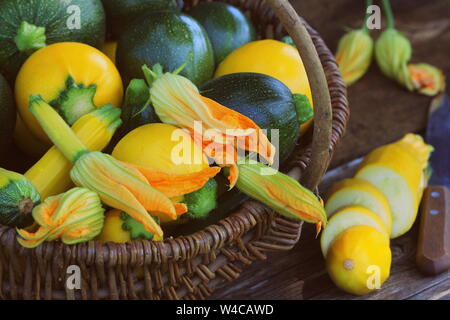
189,267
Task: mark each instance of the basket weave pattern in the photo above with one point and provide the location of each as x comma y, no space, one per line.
187,267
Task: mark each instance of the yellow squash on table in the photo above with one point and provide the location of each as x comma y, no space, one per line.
398,174
74,77
379,203
359,260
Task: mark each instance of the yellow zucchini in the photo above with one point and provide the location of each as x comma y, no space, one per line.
51,174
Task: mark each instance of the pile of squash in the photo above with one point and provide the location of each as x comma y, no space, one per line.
79,64
378,204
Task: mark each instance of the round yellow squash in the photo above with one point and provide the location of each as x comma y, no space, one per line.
112,228
113,231
55,70
162,147
274,58
359,260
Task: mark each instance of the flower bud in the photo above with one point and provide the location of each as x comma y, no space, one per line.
281,193
354,55
392,52
426,79
74,216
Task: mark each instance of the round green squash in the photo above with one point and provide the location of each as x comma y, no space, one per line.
227,27
28,25
7,116
170,39
265,100
18,197
121,13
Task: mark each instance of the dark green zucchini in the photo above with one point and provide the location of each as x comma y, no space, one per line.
18,197
167,38
227,27
7,116
121,13
266,101
135,110
228,202
28,25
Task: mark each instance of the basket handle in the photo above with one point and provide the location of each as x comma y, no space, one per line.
320,156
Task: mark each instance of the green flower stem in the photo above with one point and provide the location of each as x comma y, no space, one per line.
389,15
303,108
57,129
368,4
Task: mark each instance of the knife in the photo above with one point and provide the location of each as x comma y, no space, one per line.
433,251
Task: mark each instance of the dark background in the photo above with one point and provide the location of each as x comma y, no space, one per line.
382,111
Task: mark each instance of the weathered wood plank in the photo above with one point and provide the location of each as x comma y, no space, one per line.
439,292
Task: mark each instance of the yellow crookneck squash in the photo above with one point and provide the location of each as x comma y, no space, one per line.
51,174
74,77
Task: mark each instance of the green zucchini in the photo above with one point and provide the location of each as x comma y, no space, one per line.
228,202
121,13
135,111
265,100
227,27
7,116
170,39
28,25
18,197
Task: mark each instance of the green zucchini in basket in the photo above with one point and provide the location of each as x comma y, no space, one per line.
18,197
28,25
170,39
121,13
265,100
228,28
7,116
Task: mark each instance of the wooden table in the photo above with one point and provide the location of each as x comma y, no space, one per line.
381,112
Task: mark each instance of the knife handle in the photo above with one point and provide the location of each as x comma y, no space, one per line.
433,250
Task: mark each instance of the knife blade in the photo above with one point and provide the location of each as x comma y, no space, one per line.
438,135
433,251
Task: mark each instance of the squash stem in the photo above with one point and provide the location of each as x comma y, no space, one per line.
30,38
57,129
389,15
75,101
303,108
110,116
368,4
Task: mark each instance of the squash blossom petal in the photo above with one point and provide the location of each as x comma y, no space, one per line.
426,79
392,53
177,101
354,55
75,216
281,193
122,188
